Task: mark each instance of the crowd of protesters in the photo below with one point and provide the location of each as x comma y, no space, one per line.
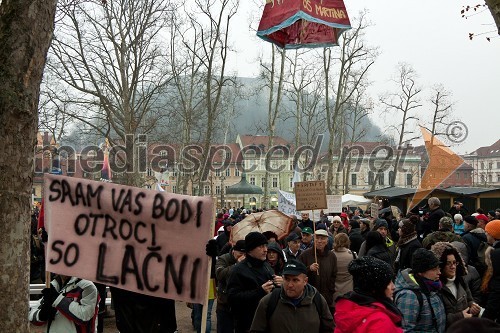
430,271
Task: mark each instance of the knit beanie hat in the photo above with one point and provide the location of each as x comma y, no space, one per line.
458,217
381,223
471,220
370,275
423,260
493,229
253,240
407,227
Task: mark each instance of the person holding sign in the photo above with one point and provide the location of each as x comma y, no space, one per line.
326,265
68,305
250,280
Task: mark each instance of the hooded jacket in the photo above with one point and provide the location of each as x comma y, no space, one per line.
418,318
355,313
293,318
473,239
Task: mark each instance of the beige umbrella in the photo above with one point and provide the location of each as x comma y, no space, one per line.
271,220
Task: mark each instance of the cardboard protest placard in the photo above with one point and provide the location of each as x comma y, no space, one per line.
140,240
310,195
334,203
374,210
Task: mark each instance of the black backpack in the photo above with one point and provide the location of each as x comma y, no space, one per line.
275,297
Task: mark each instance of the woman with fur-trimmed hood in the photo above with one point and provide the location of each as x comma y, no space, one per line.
457,298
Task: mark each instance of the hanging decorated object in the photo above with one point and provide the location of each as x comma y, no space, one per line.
293,24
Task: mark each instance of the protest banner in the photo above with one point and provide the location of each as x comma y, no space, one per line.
374,210
334,203
310,195
140,240
286,204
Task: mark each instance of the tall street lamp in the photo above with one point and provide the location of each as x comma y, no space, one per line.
222,178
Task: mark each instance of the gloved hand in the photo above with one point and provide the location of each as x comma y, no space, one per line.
47,311
44,236
49,295
211,248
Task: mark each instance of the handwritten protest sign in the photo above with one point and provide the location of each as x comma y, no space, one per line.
140,240
286,204
334,203
374,210
310,195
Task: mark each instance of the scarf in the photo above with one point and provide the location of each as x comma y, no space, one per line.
432,285
405,239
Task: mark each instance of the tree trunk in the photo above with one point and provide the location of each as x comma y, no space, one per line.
26,29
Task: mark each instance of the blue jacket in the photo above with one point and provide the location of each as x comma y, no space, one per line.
416,318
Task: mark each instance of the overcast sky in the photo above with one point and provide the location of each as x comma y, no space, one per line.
429,35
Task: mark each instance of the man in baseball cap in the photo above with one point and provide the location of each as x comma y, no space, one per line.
296,299
307,239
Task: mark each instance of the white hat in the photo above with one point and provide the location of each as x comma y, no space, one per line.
221,229
337,218
458,217
321,232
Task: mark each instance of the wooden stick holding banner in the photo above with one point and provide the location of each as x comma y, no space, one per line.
209,271
311,195
314,243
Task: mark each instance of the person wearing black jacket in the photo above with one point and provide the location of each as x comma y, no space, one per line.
250,280
435,214
472,237
355,236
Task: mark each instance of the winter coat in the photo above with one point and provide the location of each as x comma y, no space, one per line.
340,230
391,247
289,255
443,235
356,239
405,252
455,305
433,220
307,223
76,307
459,229
244,289
473,280
293,318
418,318
357,314
325,281
380,252
343,282
492,310
223,267
473,239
